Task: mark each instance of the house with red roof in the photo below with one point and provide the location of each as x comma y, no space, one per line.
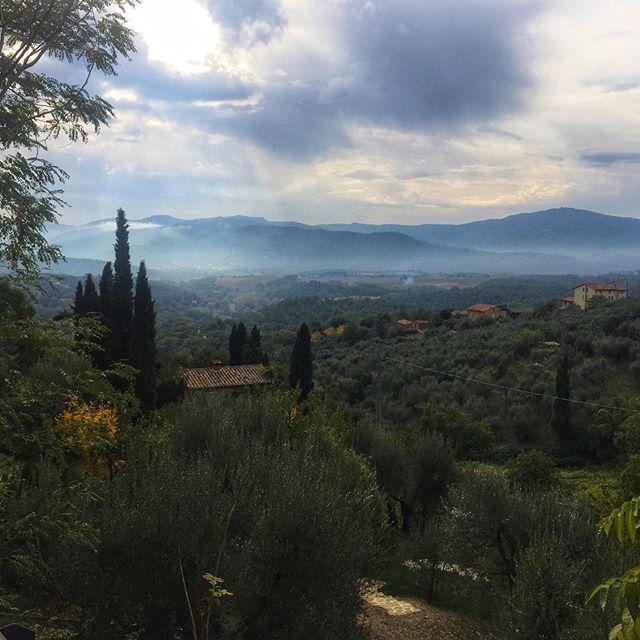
609,291
486,312
224,377
415,325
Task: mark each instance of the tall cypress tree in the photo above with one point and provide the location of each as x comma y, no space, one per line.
79,307
233,345
102,358
241,337
253,352
106,293
237,344
301,368
91,299
143,343
122,302
561,418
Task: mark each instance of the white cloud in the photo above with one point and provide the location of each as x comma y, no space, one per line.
111,226
183,38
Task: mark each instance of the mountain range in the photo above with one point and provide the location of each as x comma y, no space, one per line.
554,241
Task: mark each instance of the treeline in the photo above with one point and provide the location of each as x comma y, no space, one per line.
246,350
127,319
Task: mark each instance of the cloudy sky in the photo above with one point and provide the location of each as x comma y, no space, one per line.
370,110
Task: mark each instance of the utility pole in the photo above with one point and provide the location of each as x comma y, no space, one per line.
379,391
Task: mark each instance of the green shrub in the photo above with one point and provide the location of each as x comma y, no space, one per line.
526,340
491,522
237,487
470,439
533,469
504,453
630,478
548,598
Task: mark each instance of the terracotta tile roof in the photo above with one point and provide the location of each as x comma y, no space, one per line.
602,286
483,308
568,298
225,377
608,286
404,322
521,310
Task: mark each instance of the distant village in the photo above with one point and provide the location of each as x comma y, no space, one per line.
579,298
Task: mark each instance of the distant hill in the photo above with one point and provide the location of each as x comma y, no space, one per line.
250,244
77,267
612,241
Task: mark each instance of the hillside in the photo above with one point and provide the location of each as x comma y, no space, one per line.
611,241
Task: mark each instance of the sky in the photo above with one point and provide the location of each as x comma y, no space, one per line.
405,111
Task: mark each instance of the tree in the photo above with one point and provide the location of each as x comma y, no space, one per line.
143,343
237,344
233,345
561,418
122,302
301,368
533,470
36,107
102,356
79,307
91,299
241,337
254,353
106,293
621,592
382,324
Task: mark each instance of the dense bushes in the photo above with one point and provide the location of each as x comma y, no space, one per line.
537,553
548,597
525,353
240,488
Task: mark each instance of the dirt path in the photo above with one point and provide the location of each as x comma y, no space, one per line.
388,618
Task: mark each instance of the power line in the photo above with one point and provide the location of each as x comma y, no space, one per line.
505,387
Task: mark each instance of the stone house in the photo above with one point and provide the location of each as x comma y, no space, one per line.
486,312
609,291
224,377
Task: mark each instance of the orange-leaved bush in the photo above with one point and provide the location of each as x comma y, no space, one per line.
88,428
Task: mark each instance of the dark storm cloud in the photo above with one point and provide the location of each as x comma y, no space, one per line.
249,21
291,122
421,63
155,83
412,65
607,158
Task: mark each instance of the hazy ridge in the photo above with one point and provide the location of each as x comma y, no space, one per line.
553,241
